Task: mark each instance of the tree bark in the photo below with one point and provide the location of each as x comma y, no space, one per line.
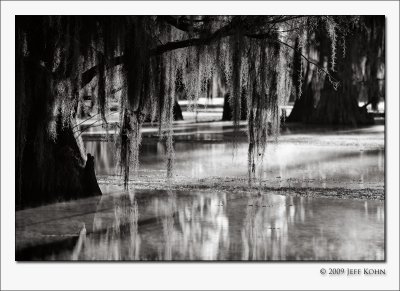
303,107
335,106
48,168
227,109
340,107
177,111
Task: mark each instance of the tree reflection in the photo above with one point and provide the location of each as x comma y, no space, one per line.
179,225
115,234
194,229
265,227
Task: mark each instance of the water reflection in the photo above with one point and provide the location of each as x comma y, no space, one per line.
192,229
264,232
115,233
177,225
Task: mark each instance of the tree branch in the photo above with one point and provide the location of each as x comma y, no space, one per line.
267,35
222,32
179,23
88,75
225,31
308,60
169,46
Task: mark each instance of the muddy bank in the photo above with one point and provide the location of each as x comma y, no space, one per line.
233,186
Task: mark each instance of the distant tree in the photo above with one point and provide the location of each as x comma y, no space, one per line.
359,64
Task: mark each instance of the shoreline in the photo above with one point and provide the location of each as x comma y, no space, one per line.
235,185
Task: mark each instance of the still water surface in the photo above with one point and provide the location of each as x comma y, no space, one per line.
351,158
199,225
219,225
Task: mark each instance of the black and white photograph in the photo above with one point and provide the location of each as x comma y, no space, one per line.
201,138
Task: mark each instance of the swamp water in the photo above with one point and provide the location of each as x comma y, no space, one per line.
216,224
199,225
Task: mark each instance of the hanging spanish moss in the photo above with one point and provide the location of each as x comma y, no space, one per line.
332,88
167,120
236,84
63,59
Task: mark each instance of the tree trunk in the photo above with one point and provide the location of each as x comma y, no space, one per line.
55,170
375,58
227,109
303,107
340,107
177,111
334,107
49,163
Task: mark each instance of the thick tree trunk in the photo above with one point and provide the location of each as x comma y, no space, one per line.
55,171
227,109
49,162
303,107
340,107
334,107
375,58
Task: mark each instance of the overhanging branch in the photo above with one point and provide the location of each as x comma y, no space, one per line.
88,75
222,32
225,31
268,35
332,79
179,23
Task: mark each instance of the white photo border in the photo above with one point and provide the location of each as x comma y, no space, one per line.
137,275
